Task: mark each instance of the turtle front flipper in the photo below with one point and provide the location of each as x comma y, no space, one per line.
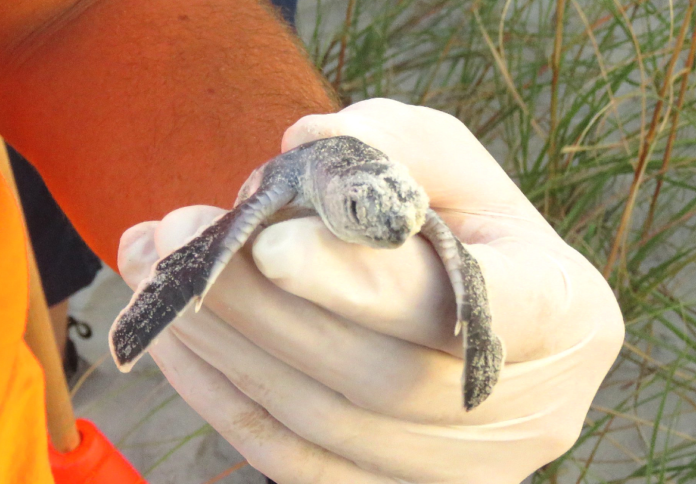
483,351
187,273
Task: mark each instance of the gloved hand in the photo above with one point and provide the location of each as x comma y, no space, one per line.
326,362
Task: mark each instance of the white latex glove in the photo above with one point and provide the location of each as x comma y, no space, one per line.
326,362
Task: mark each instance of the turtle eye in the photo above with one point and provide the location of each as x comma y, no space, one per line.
358,204
353,211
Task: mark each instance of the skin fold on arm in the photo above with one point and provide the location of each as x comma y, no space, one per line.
130,109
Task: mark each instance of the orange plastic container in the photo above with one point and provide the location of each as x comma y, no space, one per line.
94,461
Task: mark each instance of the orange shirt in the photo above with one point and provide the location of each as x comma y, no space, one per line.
23,436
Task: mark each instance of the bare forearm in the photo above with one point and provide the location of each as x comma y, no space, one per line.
130,109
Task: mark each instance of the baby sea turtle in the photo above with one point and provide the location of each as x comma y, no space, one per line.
363,198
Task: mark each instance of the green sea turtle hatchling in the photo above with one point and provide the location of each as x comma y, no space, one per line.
363,198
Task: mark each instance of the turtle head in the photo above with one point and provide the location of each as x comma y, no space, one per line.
376,204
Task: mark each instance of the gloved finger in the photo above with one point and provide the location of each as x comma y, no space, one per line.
263,441
414,452
137,253
401,292
182,224
405,293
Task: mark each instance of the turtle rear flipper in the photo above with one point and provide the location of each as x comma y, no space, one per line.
186,275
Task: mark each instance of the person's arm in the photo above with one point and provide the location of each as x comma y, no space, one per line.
130,109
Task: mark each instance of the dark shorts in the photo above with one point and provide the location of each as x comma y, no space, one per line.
287,9
65,262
